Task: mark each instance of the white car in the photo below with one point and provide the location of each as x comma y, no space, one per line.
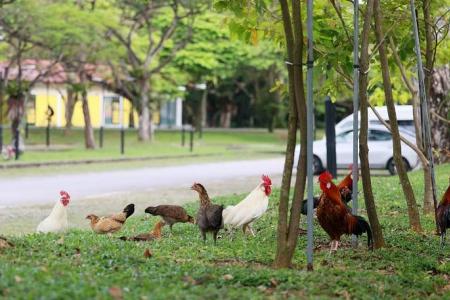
404,118
380,150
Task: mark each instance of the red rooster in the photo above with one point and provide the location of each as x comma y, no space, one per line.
443,215
334,216
345,188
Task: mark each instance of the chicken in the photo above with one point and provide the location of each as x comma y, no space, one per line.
171,214
152,235
251,208
209,216
345,188
334,216
57,220
4,243
443,215
110,224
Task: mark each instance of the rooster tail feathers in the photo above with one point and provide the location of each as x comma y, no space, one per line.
128,210
361,227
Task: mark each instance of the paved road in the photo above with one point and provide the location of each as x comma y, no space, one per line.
34,190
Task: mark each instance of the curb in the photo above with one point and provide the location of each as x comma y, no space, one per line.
95,161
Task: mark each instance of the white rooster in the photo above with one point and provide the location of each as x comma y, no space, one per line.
57,220
249,209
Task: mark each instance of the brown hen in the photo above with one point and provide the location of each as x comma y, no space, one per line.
152,235
171,214
114,223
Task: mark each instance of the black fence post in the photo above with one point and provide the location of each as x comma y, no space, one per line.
47,135
122,140
1,137
16,143
191,144
330,123
183,135
27,130
101,137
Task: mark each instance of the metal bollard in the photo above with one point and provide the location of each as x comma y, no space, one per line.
101,137
1,137
183,136
122,141
330,133
26,130
16,143
47,135
191,144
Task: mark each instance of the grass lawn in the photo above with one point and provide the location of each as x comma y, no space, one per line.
166,143
80,264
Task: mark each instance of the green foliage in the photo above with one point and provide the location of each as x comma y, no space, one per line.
83,265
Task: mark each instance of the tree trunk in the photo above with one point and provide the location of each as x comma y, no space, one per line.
131,115
70,105
439,105
144,117
429,45
413,212
88,130
428,203
363,132
287,233
276,99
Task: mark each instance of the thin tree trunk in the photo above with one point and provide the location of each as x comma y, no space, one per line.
300,182
144,118
88,130
428,205
429,45
413,212
281,259
287,233
275,101
363,148
70,105
131,114
439,105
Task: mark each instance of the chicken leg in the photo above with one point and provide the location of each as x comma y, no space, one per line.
249,227
334,245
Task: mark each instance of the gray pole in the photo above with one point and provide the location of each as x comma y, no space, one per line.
426,133
309,136
355,113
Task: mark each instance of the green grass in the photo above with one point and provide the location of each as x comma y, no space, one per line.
166,143
82,265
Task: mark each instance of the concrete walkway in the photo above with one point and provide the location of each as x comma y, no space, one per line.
45,189
25,201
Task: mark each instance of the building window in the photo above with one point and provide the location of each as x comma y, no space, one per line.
31,109
111,108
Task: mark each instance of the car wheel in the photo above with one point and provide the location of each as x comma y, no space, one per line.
317,165
391,166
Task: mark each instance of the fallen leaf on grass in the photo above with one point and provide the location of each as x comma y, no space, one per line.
116,293
273,282
227,277
147,253
18,279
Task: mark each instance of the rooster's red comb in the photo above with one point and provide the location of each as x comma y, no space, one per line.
64,194
266,180
325,177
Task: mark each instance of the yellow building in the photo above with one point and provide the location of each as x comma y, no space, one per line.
106,108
